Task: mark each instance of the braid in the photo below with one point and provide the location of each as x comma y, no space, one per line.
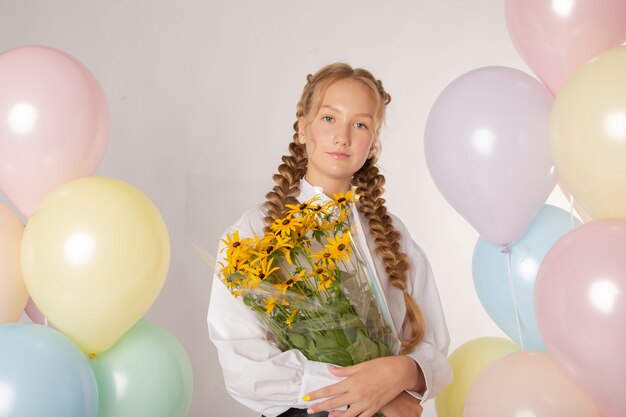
287,180
370,183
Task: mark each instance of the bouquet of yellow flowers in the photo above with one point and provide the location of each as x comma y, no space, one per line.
309,282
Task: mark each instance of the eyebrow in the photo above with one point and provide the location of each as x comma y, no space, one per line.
328,106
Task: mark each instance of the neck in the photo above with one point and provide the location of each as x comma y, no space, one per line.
329,185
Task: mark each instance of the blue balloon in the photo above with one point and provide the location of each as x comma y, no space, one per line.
42,373
491,274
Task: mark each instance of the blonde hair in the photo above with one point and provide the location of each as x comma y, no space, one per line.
368,180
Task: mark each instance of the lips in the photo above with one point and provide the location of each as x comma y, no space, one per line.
339,155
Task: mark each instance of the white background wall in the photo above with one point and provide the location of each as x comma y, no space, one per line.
202,97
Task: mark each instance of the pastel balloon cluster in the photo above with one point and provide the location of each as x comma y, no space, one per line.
93,256
496,143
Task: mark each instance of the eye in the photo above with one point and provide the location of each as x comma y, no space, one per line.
327,119
360,125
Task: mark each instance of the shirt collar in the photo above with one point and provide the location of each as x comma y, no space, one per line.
308,191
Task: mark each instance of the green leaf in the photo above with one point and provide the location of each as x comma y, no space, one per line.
298,340
363,349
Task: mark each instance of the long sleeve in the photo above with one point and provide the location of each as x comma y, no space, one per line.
256,372
431,353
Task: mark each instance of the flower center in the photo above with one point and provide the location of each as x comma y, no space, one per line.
236,244
341,200
341,247
286,222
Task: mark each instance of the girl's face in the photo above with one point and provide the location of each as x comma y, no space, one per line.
340,136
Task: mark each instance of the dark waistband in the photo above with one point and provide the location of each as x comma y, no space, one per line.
301,412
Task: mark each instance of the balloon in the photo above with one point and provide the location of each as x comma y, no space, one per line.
486,149
588,135
467,362
42,373
35,315
491,275
58,123
556,37
146,373
527,384
95,255
577,207
13,295
581,309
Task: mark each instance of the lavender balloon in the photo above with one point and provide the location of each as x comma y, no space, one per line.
486,146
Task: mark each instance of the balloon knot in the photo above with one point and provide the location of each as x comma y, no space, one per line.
505,250
93,356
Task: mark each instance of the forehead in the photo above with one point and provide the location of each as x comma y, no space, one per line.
350,95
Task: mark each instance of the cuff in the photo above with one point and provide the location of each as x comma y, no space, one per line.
428,378
316,376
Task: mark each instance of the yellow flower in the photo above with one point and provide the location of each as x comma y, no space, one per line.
322,276
319,209
339,247
291,281
302,208
263,270
270,303
323,284
286,225
291,318
235,245
235,263
342,200
323,256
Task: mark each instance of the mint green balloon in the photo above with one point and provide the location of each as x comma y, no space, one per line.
147,373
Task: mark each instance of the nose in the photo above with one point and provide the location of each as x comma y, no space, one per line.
342,135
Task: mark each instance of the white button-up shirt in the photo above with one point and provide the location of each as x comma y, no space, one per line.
263,378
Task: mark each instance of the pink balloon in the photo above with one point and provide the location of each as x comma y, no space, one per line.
55,125
527,384
35,315
556,37
580,301
486,146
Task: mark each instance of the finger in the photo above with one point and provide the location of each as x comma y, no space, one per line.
328,391
345,371
356,411
330,404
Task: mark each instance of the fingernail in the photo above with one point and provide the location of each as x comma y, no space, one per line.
309,411
332,366
306,398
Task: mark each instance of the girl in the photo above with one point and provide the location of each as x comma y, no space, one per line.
335,146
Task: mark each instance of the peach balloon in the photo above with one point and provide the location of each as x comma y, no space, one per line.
13,295
527,384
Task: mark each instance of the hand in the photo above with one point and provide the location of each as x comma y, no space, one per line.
368,386
404,405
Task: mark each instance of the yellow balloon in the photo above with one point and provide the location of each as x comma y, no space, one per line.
95,255
588,134
13,295
467,362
